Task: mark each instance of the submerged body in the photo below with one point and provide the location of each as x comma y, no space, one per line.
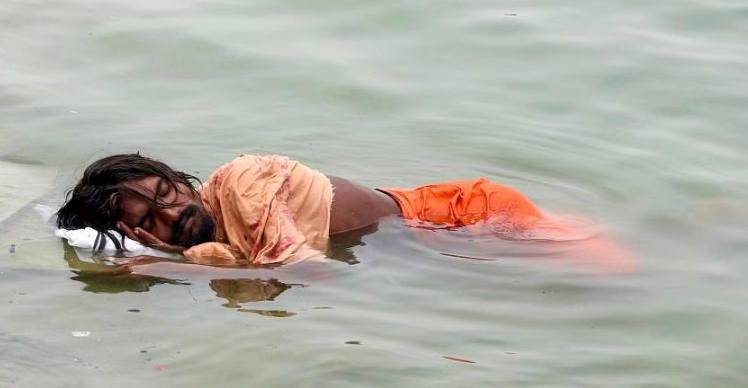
270,209
263,210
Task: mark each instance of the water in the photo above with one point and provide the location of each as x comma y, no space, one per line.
633,113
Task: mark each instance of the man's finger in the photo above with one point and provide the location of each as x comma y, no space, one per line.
147,237
129,232
155,242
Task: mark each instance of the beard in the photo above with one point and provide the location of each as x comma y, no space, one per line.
202,229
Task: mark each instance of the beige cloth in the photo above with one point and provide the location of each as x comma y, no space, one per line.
267,209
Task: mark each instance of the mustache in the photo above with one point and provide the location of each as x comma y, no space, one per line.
185,216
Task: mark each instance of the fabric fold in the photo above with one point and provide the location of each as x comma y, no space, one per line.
256,202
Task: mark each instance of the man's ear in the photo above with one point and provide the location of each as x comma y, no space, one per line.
114,199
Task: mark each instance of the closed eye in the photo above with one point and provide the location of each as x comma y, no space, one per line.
164,191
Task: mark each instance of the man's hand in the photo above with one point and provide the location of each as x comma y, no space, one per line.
148,239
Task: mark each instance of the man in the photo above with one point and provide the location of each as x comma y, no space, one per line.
259,210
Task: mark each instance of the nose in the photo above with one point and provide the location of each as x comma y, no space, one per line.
170,215
164,222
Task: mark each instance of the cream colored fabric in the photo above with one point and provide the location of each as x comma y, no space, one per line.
268,210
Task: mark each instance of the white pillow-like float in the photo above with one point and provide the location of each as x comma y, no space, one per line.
90,239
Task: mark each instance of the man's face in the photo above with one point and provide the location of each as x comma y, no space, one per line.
183,221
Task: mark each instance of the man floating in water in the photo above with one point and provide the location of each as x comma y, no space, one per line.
263,210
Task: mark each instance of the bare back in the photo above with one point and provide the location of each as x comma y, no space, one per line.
355,206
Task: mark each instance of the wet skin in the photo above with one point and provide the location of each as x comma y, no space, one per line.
172,228
168,228
355,206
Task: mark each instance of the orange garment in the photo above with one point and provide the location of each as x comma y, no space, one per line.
466,202
267,209
482,205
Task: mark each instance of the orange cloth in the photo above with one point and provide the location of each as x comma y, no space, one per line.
461,203
267,209
482,205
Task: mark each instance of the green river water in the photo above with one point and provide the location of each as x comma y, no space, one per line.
634,113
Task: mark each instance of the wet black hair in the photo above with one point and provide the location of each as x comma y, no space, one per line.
90,204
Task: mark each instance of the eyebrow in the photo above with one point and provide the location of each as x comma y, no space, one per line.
157,192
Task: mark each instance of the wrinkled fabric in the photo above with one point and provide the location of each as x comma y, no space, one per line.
481,205
267,209
502,210
461,203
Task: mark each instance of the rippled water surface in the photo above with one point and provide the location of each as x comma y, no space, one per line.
633,113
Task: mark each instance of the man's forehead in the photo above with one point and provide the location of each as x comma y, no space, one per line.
132,209
144,184
146,187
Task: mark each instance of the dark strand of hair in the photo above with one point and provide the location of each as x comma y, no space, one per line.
91,203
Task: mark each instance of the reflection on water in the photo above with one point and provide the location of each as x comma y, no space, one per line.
104,282
237,291
269,313
342,244
99,278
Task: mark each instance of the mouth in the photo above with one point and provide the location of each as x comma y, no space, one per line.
182,231
187,229
192,228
